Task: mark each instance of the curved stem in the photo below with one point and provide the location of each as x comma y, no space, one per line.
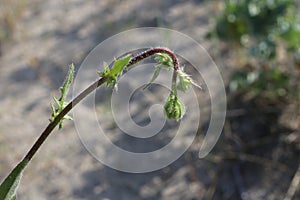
152,51
137,58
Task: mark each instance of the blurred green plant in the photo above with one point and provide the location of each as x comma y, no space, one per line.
272,83
262,28
258,25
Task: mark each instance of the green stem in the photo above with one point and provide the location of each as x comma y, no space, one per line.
59,117
137,58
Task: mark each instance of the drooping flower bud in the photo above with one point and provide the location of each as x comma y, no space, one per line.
164,59
174,108
184,81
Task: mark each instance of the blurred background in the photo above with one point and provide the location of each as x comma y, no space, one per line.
256,45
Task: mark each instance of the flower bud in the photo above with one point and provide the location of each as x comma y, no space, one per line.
184,83
174,108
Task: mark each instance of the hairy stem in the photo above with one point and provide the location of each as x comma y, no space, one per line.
152,51
59,117
135,59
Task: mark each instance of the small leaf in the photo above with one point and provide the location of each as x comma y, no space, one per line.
52,108
56,101
10,185
115,71
61,102
119,65
68,117
155,75
64,89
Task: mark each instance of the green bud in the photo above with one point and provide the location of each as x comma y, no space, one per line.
184,83
174,108
164,59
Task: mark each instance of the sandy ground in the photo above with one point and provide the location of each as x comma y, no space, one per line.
51,35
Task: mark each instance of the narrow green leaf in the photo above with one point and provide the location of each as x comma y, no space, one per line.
155,75
57,101
61,102
68,117
52,108
64,89
10,185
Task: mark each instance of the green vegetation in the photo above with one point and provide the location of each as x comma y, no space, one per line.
174,108
269,32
